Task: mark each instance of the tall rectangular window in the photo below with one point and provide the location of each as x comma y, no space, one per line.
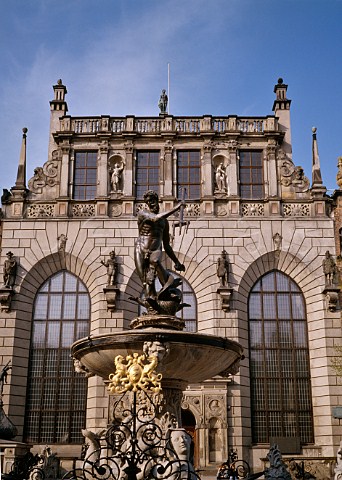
189,173
147,172
251,174
85,175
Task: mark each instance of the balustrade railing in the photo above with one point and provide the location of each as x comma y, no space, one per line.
180,125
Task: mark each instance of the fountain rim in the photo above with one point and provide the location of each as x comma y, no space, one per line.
162,335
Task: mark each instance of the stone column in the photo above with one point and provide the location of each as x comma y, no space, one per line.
102,170
207,170
271,168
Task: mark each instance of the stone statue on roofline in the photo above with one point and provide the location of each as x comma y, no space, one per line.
162,104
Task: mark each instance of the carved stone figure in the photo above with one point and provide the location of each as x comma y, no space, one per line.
80,368
338,468
10,270
3,378
223,269
220,178
153,235
339,173
180,467
62,239
116,175
112,268
329,268
277,239
162,104
156,349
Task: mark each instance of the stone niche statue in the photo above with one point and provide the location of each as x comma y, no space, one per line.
154,234
10,270
220,178
116,177
162,104
329,269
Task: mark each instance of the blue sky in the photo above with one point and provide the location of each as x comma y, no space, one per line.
225,57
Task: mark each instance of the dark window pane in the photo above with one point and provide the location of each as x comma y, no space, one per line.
85,175
251,174
279,360
189,174
147,172
54,389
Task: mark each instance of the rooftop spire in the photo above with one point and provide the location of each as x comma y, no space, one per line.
316,168
21,175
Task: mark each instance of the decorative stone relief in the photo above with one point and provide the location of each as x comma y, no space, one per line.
83,210
252,209
194,403
40,210
290,175
221,210
296,210
214,406
138,207
192,210
44,176
116,210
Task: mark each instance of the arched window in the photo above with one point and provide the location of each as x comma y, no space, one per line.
188,314
279,361
56,396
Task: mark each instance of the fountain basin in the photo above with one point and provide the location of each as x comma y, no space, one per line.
192,357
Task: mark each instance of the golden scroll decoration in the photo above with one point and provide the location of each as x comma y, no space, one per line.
135,372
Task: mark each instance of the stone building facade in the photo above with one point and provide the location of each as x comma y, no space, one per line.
249,206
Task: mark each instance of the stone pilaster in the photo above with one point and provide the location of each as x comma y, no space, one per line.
64,185
207,170
168,169
102,170
232,174
272,168
128,172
